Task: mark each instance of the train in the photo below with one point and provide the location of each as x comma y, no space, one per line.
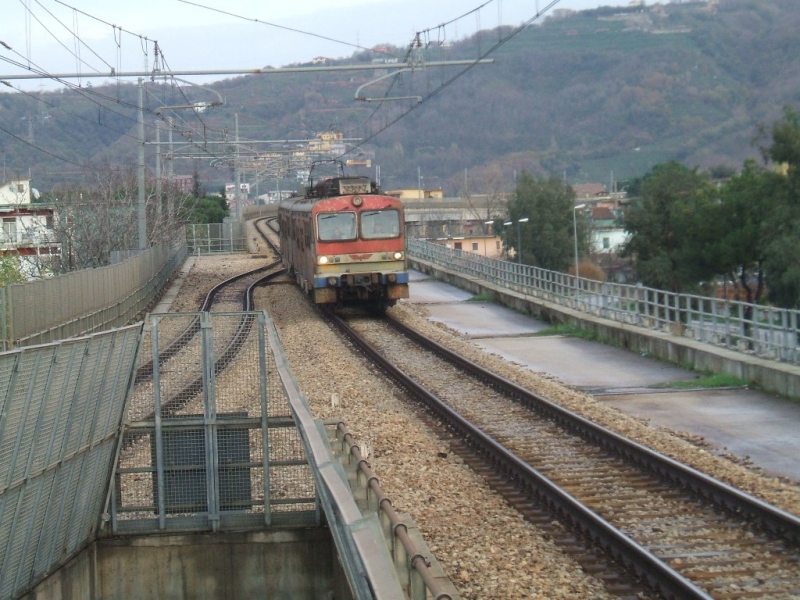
344,242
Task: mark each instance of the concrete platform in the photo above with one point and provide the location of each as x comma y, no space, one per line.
743,422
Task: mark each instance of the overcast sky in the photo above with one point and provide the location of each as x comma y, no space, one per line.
197,35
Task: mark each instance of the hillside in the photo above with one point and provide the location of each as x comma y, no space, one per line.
583,94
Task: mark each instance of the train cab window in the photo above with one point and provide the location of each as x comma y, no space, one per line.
377,224
336,226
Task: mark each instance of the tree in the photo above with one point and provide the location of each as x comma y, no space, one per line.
733,234
547,238
662,226
100,215
782,257
10,270
484,206
197,190
206,209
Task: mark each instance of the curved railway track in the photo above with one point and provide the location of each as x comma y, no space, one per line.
682,533
231,295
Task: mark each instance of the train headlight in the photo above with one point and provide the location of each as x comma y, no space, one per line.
392,278
332,281
323,260
398,256
357,201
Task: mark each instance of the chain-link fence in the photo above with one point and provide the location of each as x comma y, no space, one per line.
214,238
61,406
210,442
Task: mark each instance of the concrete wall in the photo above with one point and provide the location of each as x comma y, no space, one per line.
297,564
774,377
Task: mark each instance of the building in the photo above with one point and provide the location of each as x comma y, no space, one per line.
27,226
607,233
183,183
589,191
415,194
490,246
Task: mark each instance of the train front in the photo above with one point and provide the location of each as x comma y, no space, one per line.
360,253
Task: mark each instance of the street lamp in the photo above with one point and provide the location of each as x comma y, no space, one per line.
575,231
484,237
505,234
519,236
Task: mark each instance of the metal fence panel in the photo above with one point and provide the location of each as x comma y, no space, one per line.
61,408
86,301
210,442
212,238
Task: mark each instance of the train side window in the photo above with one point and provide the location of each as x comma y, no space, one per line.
377,224
336,226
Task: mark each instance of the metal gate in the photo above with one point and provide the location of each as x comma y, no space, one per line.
210,443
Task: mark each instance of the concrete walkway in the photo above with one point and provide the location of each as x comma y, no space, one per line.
174,288
750,424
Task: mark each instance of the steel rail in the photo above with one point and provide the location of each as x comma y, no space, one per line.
772,518
647,566
182,339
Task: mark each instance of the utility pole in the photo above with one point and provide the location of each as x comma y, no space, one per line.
142,213
158,172
238,173
170,208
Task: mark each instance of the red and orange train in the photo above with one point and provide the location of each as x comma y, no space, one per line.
344,243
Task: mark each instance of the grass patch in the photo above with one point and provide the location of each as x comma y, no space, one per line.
708,381
569,330
484,297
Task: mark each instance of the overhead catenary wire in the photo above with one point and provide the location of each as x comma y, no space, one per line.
85,92
285,28
38,98
425,34
428,96
39,148
99,20
158,53
447,83
75,36
88,93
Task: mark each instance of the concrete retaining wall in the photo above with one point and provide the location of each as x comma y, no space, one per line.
287,564
774,377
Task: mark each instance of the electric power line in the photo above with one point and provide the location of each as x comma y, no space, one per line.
76,36
40,149
285,28
448,82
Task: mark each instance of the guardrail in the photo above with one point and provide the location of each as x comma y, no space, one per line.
764,331
358,538
421,576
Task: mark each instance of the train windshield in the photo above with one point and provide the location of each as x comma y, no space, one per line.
336,226
380,224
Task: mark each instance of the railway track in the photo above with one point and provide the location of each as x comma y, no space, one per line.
680,532
180,337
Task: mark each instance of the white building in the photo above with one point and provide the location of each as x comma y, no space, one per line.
27,226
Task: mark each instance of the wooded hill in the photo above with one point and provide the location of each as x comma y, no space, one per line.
584,94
